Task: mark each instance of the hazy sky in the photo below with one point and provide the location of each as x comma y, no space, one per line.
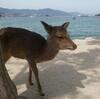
83,6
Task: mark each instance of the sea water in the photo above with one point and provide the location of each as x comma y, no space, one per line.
80,27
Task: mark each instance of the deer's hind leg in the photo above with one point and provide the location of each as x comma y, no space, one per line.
35,71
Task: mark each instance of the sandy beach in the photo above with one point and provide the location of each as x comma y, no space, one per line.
71,75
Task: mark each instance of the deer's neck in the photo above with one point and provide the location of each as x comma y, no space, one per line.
50,50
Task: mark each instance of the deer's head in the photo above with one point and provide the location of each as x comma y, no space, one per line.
60,35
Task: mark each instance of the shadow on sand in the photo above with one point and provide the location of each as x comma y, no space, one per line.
57,79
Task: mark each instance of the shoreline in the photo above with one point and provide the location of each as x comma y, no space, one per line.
71,75
83,37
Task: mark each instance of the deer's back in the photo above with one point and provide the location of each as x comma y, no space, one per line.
20,42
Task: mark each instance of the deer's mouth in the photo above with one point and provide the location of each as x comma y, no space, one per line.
69,48
72,48
64,47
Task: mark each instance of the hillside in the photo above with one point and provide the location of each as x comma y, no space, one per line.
32,12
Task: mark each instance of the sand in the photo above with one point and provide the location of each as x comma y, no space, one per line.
71,75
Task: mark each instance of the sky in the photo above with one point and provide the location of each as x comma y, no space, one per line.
82,6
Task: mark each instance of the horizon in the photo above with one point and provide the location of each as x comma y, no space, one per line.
84,7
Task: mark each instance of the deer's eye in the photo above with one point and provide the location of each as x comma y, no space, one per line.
60,37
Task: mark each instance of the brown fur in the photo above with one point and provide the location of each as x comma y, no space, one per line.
31,46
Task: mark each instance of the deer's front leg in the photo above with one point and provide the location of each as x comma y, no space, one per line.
35,71
30,76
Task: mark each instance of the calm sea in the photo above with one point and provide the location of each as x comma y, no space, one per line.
80,27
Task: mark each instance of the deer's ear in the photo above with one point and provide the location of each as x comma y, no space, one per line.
47,27
66,24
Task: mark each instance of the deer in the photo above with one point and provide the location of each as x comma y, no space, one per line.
31,46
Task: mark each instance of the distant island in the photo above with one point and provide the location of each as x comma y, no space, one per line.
97,15
0,15
5,12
